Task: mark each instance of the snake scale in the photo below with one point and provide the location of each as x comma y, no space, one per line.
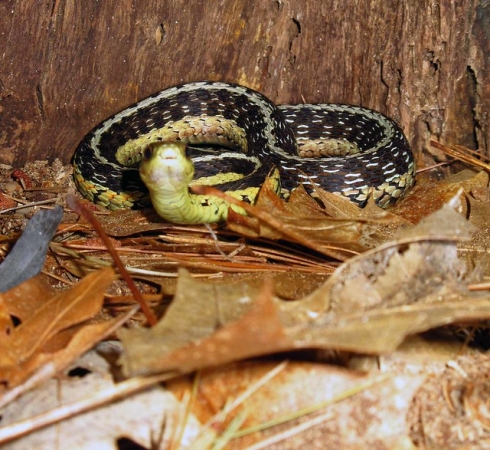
227,135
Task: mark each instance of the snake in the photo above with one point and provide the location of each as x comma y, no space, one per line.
232,137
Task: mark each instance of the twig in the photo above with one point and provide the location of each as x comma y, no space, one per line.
76,206
109,395
25,205
272,221
463,154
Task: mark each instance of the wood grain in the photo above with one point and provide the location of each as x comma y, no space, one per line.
67,65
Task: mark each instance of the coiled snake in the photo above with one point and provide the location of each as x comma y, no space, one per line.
234,137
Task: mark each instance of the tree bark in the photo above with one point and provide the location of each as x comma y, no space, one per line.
65,65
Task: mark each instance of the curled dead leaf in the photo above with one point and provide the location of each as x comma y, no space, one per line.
29,341
369,305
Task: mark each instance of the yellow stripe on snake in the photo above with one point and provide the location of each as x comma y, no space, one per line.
229,136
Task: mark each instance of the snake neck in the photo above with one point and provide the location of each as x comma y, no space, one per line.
167,173
184,207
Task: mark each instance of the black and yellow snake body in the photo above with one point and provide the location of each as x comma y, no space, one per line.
349,150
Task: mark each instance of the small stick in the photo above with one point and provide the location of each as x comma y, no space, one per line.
77,207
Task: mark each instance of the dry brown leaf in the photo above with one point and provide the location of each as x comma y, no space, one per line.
27,297
369,305
63,310
301,386
80,340
46,364
126,222
24,347
475,251
21,302
6,326
299,220
204,328
378,225
378,298
339,229
428,196
146,418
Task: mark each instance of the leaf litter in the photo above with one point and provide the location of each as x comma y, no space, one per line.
356,281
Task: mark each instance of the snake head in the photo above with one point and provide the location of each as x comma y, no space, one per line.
165,166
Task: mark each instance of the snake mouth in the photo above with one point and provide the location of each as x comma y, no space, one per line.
168,154
164,151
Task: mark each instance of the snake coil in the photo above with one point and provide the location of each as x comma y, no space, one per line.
349,150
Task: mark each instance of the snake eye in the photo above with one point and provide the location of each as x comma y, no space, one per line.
147,152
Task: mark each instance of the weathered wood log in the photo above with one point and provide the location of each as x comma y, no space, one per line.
67,65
